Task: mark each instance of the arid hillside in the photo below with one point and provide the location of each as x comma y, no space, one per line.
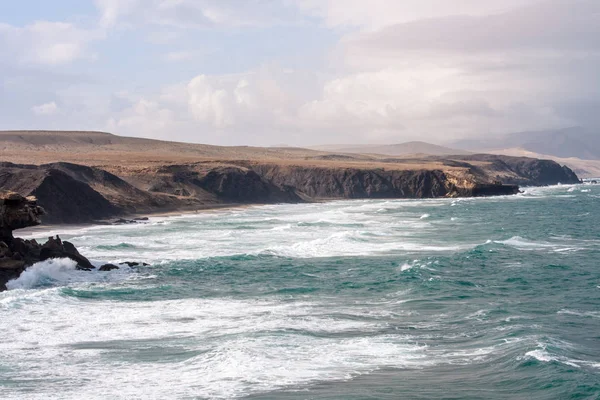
89,176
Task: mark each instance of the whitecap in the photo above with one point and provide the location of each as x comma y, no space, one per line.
405,267
587,314
61,272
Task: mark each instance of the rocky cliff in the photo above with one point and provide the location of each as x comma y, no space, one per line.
16,212
72,193
524,170
16,254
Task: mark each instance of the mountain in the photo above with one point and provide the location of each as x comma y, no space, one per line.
81,177
401,149
573,142
575,147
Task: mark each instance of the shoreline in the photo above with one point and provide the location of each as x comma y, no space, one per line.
29,231
173,213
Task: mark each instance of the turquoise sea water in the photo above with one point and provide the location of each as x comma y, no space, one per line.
489,298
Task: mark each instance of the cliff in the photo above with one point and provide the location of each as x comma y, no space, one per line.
16,212
524,171
16,254
72,193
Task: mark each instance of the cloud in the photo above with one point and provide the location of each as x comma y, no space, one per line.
195,13
267,97
428,69
145,118
550,25
178,56
46,43
376,14
45,109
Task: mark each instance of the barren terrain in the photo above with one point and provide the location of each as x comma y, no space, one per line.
87,176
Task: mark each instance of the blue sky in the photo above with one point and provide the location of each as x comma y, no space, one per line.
300,72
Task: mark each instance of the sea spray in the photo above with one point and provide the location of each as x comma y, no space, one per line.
498,296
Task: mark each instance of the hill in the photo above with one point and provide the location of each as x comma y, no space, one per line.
90,176
576,147
564,143
416,148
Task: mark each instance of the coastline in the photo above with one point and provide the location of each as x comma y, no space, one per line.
183,211
30,231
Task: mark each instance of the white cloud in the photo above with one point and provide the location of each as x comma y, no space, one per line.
112,10
195,13
427,69
46,43
550,25
375,14
144,118
45,109
178,56
265,97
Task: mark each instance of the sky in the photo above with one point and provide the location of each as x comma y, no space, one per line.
300,72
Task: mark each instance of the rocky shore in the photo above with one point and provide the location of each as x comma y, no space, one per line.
70,193
16,254
96,177
75,194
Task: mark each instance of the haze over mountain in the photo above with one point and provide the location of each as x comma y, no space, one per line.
576,147
564,143
415,148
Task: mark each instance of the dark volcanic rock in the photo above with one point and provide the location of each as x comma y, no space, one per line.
133,264
73,193
10,269
527,171
56,248
108,267
495,190
64,198
354,183
130,263
17,212
125,221
68,200
20,254
242,185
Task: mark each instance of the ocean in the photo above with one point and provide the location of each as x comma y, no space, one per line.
480,298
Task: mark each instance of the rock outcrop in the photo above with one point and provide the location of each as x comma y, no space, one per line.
17,212
355,183
523,170
72,193
16,254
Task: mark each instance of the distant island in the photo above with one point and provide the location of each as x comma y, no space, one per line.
85,177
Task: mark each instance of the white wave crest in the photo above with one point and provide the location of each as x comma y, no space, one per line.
587,314
61,272
45,273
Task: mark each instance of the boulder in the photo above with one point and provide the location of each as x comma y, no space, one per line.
55,248
108,267
130,263
5,250
133,264
17,212
10,269
9,264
